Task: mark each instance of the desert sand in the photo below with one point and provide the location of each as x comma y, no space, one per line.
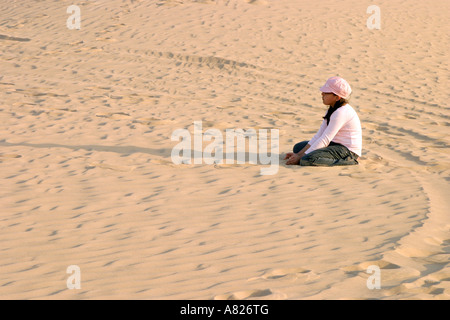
85,150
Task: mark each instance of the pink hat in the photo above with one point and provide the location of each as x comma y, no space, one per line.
338,86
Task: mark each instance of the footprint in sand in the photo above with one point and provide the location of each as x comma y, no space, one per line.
247,294
108,166
11,156
166,162
113,115
5,37
260,2
287,273
435,290
390,274
368,168
283,114
439,278
63,109
152,121
414,252
222,107
382,264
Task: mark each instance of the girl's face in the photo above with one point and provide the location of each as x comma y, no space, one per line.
329,98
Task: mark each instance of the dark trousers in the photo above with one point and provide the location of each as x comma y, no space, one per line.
334,155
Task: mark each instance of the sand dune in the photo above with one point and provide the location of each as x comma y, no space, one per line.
85,150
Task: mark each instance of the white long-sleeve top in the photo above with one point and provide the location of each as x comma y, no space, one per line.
344,128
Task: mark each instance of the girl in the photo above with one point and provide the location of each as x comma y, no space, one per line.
339,139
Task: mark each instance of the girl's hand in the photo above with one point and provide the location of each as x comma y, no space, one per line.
288,155
294,159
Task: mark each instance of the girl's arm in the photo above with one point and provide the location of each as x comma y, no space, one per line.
294,158
301,153
322,128
319,133
337,121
